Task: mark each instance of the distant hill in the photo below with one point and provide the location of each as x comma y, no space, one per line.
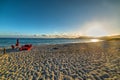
114,37
86,37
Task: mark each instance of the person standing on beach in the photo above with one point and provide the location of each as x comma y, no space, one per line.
17,44
4,52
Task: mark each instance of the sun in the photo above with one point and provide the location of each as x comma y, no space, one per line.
96,30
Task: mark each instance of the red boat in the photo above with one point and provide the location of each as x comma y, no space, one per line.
26,47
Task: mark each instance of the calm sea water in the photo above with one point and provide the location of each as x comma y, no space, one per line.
5,42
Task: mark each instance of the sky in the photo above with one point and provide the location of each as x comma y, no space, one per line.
59,17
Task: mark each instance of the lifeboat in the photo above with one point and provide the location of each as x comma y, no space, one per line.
26,47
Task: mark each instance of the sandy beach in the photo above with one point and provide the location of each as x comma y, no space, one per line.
78,61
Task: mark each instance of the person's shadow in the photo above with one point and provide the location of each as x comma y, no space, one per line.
12,50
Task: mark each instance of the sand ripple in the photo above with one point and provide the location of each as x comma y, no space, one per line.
90,61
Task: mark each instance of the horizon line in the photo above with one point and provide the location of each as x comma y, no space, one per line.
52,36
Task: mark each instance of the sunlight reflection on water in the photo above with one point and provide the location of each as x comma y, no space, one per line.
95,40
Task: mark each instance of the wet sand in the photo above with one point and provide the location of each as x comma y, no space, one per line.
80,61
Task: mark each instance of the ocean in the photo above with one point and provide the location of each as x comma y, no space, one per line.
6,42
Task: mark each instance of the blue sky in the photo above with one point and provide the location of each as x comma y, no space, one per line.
72,17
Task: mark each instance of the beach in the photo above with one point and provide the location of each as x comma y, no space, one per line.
75,61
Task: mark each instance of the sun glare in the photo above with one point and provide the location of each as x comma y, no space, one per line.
95,29
94,40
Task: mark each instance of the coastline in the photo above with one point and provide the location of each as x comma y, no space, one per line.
75,61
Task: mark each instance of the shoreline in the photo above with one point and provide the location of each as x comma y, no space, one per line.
8,42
